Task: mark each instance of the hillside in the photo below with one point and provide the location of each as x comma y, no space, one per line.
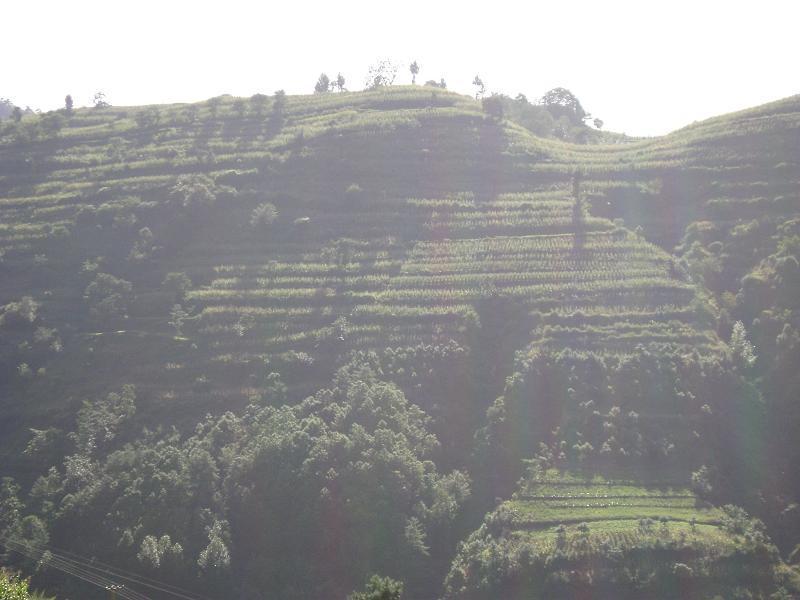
534,298
407,271
567,536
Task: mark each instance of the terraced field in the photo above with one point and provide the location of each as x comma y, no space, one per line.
399,212
397,263
563,533
538,299
554,499
395,296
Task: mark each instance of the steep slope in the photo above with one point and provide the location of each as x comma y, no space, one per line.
398,211
227,258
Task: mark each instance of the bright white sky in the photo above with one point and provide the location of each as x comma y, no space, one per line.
644,67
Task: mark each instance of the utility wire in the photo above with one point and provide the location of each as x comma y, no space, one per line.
70,569
88,571
86,565
92,563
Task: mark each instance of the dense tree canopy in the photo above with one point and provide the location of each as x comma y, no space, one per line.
561,102
342,484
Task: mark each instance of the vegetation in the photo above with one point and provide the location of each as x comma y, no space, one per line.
563,536
14,588
279,344
379,588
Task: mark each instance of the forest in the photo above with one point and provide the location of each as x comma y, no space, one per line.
397,343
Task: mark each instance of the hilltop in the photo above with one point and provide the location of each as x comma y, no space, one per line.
240,265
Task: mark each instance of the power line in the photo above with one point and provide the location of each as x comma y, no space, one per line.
89,571
70,569
88,568
75,571
93,563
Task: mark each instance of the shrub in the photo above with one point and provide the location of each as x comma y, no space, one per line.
177,283
682,571
108,296
379,588
263,215
23,312
12,587
493,106
194,190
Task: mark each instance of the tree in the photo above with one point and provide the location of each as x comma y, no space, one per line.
493,106
10,508
279,102
338,83
561,537
99,100
13,588
21,313
701,482
148,118
178,283
415,536
381,74
741,347
195,189
379,588
213,106
367,461
264,214
277,118
239,107
16,114
176,318
480,87
323,84
99,421
68,103
442,84
563,103
216,555
598,123
144,247
6,108
108,296
156,552
259,103
414,68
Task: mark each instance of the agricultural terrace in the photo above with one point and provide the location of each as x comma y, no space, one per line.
564,532
293,230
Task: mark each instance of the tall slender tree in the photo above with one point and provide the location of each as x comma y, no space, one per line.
338,83
323,84
480,87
